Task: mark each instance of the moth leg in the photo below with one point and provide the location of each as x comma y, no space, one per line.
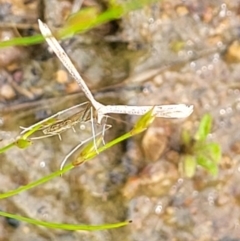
93,131
103,130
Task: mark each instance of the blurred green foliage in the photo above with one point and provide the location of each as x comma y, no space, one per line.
198,151
83,20
87,153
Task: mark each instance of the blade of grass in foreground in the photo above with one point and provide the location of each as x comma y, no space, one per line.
22,41
114,12
36,183
21,141
140,126
7,147
65,226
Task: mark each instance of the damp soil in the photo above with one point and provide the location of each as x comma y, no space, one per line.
167,53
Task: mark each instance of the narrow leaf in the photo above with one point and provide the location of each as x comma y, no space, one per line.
204,128
189,165
5,148
186,137
212,151
73,26
207,164
140,126
65,226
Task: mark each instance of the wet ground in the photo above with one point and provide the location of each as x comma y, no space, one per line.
181,52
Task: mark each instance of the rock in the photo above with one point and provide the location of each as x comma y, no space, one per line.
7,92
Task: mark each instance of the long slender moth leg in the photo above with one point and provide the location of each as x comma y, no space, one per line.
93,131
103,130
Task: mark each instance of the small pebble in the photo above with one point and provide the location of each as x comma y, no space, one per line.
182,10
62,76
72,88
7,92
233,52
18,76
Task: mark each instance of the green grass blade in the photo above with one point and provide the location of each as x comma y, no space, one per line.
22,41
5,148
207,164
36,183
58,173
114,12
204,128
85,156
186,138
140,126
22,141
32,131
212,151
65,226
189,165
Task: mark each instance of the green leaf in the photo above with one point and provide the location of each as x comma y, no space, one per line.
22,140
186,137
5,148
65,226
140,126
204,128
22,41
37,182
78,23
207,164
189,165
212,151
75,163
